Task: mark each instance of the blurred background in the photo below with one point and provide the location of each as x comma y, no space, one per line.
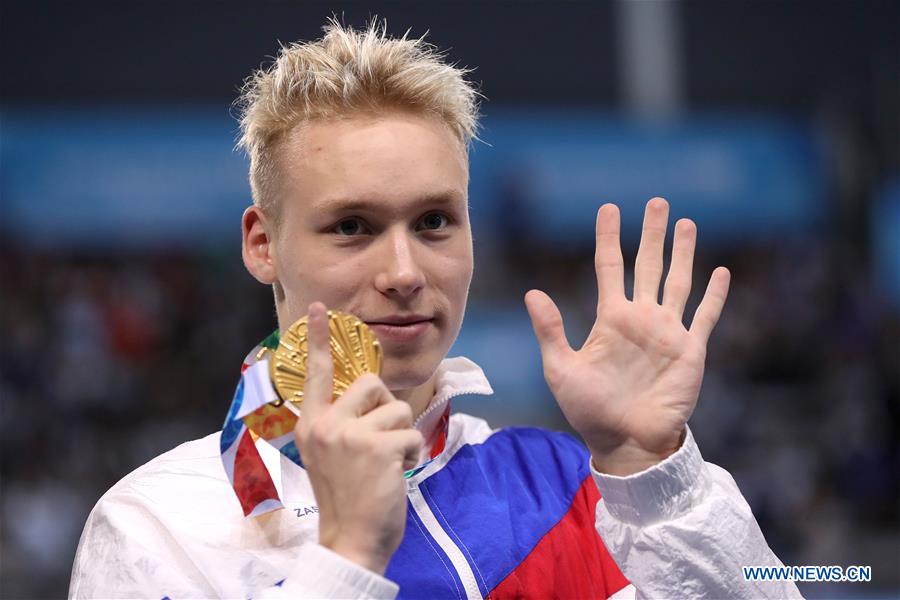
776,126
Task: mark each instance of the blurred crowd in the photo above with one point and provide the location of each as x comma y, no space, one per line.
110,359
106,362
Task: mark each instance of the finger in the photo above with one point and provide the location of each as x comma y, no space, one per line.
319,365
407,443
393,415
678,281
710,308
649,263
365,394
548,328
608,255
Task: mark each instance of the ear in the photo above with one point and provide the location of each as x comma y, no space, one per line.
257,246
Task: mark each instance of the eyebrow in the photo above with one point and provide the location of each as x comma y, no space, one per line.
442,198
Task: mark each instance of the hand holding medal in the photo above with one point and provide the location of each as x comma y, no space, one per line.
355,438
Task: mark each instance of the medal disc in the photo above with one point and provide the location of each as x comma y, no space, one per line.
354,351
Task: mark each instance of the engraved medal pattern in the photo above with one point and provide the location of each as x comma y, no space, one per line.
354,351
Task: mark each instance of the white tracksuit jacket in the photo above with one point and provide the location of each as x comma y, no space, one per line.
499,513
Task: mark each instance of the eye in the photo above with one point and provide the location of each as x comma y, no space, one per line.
350,227
434,221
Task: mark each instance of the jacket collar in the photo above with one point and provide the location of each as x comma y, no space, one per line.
455,377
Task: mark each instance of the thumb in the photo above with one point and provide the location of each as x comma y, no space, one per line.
548,327
319,364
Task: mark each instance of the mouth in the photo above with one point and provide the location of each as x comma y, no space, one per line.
400,328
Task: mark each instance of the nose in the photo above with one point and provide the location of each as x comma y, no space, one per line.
401,275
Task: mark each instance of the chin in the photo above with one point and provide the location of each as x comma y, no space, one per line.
407,373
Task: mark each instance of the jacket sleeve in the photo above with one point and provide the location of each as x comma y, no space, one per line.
684,526
124,552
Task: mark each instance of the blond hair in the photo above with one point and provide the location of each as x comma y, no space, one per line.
343,73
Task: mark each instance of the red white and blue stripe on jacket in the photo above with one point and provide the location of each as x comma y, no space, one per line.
520,505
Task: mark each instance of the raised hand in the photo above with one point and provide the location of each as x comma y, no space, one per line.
355,452
634,383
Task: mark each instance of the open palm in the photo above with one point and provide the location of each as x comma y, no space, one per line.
634,383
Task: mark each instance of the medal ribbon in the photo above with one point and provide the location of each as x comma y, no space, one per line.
252,416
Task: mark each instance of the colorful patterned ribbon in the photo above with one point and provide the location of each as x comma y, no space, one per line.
252,416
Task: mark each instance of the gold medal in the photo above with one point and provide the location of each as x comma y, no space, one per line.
354,351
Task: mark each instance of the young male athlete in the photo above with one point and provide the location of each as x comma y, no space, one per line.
359,171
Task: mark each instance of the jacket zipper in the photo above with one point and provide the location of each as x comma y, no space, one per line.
425,514
442,401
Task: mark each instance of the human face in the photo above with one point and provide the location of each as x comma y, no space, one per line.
374,222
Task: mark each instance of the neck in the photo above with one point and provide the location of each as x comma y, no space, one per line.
418,397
